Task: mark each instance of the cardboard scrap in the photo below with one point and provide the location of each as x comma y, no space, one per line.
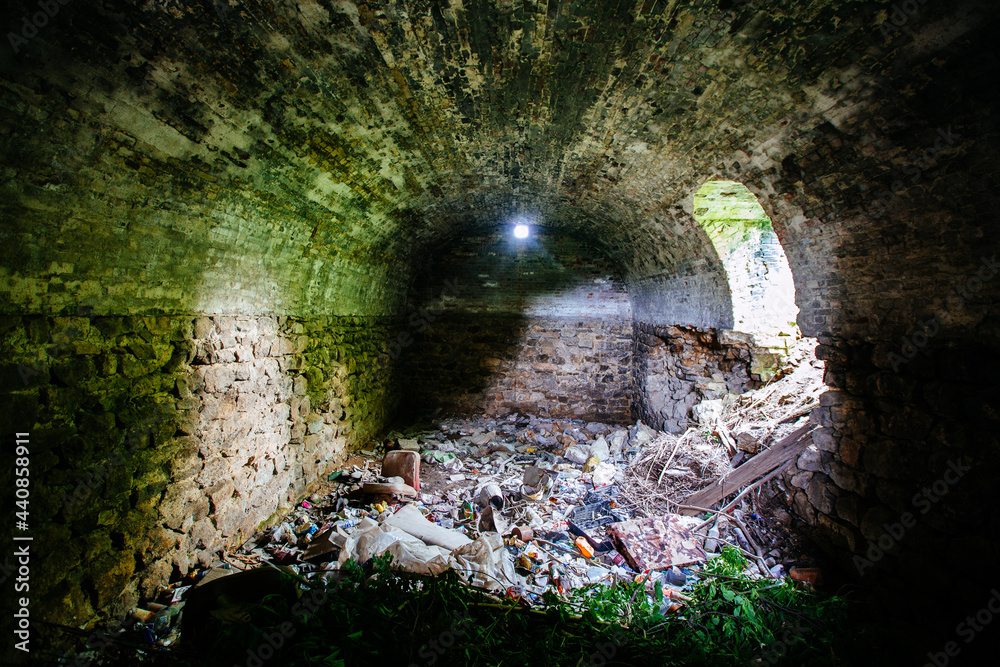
656,543
324,544
400,489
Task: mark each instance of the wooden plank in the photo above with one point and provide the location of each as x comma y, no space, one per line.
782,452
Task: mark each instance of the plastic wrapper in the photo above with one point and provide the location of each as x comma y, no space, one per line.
578,453
415,556
485,563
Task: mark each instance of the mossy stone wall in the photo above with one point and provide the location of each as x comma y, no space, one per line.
158,442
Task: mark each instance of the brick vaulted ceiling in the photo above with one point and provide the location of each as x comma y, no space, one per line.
304,157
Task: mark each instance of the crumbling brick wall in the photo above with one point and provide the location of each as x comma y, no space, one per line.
678,367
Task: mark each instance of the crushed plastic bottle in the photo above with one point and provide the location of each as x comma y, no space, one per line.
712,542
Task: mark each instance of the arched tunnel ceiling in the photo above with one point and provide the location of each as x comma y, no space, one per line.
301,156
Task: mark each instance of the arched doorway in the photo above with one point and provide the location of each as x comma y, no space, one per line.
760,280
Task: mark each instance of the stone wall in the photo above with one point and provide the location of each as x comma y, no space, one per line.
901,478
560,367
156,442
539,324
678,367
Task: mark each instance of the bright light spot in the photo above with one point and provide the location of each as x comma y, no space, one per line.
521,231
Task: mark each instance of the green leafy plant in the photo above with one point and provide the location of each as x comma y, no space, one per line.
374,614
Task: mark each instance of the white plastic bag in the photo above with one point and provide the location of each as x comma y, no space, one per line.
578,453
415,556
485,563
600,448
604,474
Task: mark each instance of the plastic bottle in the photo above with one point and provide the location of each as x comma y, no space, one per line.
712,542
556,575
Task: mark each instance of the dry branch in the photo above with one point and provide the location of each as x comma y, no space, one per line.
698,461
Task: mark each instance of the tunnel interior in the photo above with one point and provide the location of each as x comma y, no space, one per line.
539,324
241,240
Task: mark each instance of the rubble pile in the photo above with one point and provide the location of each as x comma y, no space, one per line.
729,431
757,418
516,505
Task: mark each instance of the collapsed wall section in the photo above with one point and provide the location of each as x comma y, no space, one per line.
676,368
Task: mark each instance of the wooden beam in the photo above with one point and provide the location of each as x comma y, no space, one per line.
782,452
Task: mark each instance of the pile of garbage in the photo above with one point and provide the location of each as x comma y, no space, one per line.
520,505
515,506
